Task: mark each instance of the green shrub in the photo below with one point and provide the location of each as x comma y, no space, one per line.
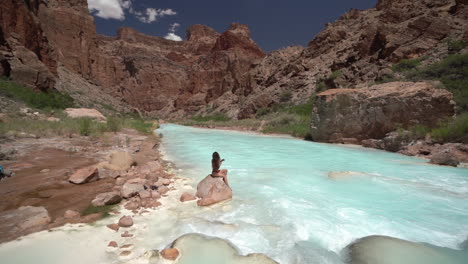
419,131
142,126
454,131
452,72
85,126
455,46
320,87
335,75
263,111
406,65
103,210
285,96
386,79
292,120
214,117
40,100
113,124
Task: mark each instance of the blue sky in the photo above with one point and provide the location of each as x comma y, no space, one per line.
273,23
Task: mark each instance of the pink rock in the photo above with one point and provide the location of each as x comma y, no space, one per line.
126,221
170,253
71,214
163,189
126,234
84,175
187,197
114,227
120,181
85,112
113,244
212,190
155,194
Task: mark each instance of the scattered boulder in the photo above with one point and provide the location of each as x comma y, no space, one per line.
119,161
155,194
444,158
126,234
163,190
113,244
84,175
105,173
132,205
144,194
131,189
150,203
127,246
120,181
212,190
125,253
170,253
187,197
85,112
22,221
114,227
107,198
126,221
70,214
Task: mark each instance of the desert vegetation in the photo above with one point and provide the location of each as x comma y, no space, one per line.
50,119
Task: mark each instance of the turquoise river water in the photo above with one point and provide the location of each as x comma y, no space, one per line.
291,208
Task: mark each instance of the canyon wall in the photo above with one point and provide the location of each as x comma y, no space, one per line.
44,43
49,44
359,48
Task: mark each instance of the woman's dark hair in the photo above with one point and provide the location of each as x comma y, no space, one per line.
216,156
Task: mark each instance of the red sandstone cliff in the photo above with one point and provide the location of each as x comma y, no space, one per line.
55,41
46,44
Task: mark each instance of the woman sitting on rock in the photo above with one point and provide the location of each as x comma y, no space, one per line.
216,164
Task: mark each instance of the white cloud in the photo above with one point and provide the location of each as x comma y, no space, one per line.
151,15
171,35
115,9
109,9
173,27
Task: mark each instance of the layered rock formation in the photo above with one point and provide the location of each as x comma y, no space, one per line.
53,44
44,42
359,48
377,110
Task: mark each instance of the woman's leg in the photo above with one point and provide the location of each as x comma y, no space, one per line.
223,173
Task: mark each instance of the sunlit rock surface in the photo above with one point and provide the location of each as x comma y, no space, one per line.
196,248
389,250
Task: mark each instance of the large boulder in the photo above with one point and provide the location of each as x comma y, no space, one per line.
212,190
126,221
131,189
390,250
85,112
444,158
107,198
374,111
22,221
84,175
118,161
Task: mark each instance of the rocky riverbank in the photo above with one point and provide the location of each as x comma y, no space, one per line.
76,179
